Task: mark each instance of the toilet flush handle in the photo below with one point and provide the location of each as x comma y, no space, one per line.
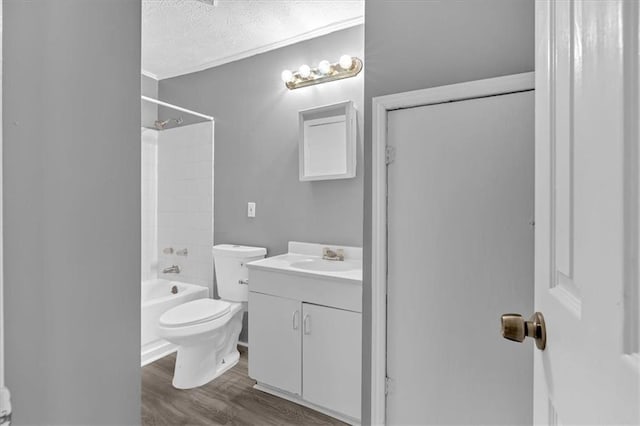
243,282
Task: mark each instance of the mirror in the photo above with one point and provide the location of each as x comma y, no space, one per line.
327,142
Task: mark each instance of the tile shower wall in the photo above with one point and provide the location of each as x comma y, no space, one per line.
149,260
185,202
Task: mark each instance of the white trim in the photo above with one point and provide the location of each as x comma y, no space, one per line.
378,261
149,74
381,105
177,108
327,29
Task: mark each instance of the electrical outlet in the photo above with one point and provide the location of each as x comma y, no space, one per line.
251,209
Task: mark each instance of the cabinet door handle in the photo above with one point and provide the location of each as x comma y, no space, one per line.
295,320
307,324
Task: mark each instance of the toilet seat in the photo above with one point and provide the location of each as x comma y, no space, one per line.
195,312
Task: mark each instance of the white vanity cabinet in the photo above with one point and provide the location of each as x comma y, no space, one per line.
331,358
305,340
275,339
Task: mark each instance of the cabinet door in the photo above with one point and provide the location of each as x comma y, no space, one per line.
332,350
274,339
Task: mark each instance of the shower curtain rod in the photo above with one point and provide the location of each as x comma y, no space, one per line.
177,108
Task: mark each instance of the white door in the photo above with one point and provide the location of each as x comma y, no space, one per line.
587,213
460,252
332,358
275,336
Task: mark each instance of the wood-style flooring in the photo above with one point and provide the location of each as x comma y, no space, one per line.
228,400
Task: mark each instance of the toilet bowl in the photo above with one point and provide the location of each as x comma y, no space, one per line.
206,331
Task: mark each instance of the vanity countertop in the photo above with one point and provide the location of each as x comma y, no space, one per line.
300,264
304,259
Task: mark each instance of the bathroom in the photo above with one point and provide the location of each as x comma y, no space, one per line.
221,168
466,264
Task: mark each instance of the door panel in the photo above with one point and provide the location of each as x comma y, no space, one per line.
587,212
460,252
275,337
332,350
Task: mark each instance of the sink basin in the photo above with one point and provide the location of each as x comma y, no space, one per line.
323,265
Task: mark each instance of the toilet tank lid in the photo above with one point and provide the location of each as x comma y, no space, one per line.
233,250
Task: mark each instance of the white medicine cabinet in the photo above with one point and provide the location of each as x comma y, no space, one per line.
327,142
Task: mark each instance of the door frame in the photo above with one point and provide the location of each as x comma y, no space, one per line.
381,106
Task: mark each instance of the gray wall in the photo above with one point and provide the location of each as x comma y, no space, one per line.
413,45
72,210
256,146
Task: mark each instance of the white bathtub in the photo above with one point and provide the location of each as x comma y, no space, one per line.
156,299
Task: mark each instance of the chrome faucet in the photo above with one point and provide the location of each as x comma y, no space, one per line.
173,269
328,254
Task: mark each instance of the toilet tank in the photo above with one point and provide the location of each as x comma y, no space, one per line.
231,269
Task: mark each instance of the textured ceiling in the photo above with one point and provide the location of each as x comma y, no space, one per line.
183,36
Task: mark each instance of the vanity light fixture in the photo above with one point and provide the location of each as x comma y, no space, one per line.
348,66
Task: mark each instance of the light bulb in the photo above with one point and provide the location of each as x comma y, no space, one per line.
346,62
287,76
324,67
304,71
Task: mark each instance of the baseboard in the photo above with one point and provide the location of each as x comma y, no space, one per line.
296,399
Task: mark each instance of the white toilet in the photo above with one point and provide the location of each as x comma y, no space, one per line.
206,331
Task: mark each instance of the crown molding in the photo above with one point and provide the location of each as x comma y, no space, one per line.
150,75
336,26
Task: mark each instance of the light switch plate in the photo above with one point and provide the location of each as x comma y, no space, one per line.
251,209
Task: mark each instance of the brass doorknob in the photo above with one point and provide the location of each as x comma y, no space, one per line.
515,328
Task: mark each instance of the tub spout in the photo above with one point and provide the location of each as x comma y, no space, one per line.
173,269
